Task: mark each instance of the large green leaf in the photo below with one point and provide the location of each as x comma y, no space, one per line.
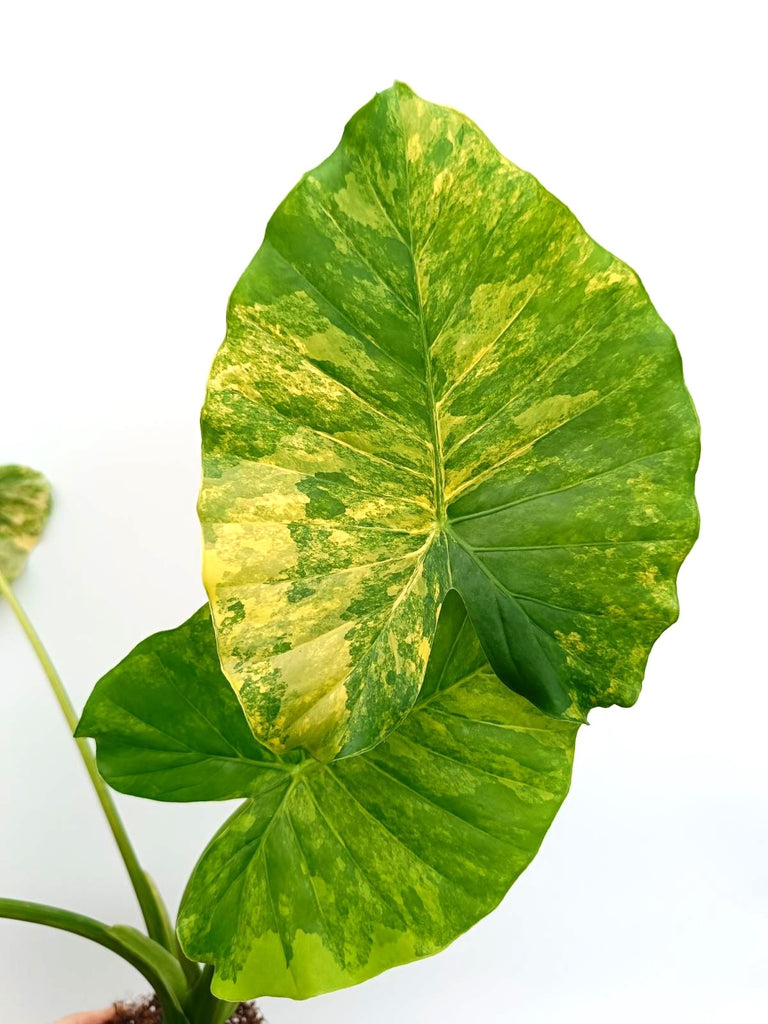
25,504
330,873
433,377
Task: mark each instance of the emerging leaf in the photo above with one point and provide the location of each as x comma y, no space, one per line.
432,377
25,504
331,873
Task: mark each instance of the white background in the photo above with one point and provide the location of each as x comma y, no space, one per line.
145,146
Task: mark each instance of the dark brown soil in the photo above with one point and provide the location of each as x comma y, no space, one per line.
147,1011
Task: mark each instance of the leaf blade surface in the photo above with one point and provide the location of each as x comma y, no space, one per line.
331,873
431,375
25,504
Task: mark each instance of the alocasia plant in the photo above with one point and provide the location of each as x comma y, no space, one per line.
448,483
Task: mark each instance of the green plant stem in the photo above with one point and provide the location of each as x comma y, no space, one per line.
203,1006
159,967
190,968
152,908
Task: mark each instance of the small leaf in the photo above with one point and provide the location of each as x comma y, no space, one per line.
331,873
432,377
25,504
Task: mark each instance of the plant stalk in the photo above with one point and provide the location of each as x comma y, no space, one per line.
204,1007
158,966
152,908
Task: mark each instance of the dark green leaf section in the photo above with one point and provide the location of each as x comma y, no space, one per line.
331,873
25,504
166,731
433,377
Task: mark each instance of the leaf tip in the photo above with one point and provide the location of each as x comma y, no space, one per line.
402,88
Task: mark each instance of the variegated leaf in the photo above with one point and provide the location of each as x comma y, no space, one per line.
331,873
25,504
432,377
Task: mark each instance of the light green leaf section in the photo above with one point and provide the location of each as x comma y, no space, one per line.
25,504
331,873
432,377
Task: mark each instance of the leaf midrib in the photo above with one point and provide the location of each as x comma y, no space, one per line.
438,481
